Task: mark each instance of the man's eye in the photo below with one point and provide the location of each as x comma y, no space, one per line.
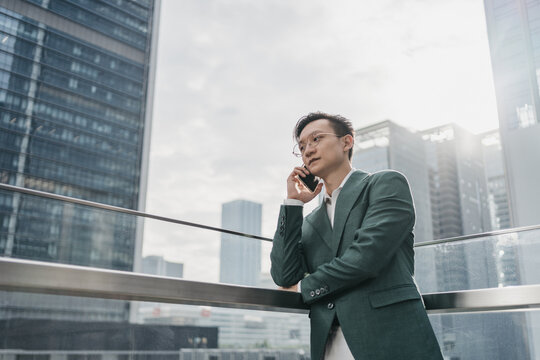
316,138
301,147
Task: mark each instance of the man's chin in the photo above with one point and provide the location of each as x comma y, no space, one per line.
315,171
313,167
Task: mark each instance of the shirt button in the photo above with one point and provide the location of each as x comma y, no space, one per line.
330,306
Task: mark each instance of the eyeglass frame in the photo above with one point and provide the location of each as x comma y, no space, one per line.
299,153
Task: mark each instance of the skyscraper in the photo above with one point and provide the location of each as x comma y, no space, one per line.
157,265
240,258
76,88
514,37
514,41
457,182
459,201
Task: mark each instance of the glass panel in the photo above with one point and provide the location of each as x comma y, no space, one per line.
38,228
155,331
486,262
489,336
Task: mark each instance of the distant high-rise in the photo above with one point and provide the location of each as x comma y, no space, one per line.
386,145
240,258
157,265
514,34
457,182
459,201
76,89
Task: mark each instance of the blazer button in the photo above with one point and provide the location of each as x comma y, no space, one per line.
312,293
330,306
318,291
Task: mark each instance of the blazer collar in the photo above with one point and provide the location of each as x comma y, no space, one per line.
346,199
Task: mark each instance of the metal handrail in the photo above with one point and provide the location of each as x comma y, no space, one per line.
212,228
60,279
48,278
479,235
123,210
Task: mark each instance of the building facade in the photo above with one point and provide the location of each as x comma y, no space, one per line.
513,28
76,88
157,265
458,189
459,201
514,41
238,329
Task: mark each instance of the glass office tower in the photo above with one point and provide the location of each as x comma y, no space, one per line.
76,88
514,42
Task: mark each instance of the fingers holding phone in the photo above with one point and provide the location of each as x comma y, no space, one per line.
302,185
310,180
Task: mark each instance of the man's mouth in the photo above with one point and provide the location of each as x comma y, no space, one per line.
312,161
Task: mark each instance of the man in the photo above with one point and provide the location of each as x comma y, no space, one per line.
353,255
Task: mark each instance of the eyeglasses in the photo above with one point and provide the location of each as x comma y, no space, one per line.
313,141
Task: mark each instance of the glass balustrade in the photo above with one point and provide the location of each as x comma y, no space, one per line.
108,324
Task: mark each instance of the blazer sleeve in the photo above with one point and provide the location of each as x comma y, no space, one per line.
287,262
388,221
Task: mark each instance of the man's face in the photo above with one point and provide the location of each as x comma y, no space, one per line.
325,155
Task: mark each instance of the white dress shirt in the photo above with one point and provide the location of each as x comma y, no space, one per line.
336,346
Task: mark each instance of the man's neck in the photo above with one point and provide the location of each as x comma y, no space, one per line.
335,178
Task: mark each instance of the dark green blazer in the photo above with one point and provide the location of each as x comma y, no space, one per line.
361,271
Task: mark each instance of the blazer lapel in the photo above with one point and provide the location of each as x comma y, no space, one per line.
320,222
346,199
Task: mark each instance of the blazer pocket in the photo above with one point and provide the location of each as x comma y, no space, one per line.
393,295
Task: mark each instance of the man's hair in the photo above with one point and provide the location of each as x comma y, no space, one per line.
341,125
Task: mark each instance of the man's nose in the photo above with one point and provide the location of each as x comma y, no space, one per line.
310,148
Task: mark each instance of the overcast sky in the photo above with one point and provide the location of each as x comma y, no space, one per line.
234,76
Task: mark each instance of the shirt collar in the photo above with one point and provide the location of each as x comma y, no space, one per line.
326,196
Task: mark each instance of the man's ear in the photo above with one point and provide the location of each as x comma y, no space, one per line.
349,142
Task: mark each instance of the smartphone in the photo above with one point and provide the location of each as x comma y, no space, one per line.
311,181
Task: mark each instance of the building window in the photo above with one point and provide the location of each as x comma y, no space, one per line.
73,83
525,115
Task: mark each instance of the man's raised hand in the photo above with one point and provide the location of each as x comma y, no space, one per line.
297,190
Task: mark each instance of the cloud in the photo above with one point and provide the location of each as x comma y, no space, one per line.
233,77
